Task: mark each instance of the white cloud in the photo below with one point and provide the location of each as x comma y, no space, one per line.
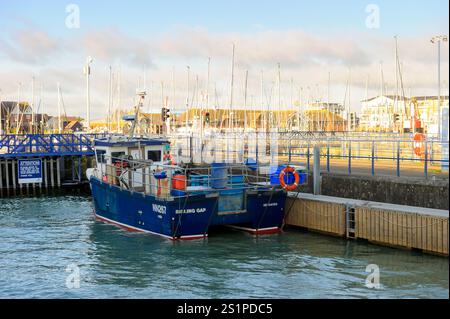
305,57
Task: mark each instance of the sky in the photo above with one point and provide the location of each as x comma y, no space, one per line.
321,46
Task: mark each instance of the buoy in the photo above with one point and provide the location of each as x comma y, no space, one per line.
293,186
418,144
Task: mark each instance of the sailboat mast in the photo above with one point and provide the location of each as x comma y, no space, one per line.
262,100
330,109
18,108
187,96
59,107
118,100
230,115
207,84
109,100
172,117
42,108
32,106
245,100
349,97
279,93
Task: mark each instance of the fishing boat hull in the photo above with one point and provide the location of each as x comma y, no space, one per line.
174,219
262,213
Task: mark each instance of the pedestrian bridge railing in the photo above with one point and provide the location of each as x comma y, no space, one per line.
25,145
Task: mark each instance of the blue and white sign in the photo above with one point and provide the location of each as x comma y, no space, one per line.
30,171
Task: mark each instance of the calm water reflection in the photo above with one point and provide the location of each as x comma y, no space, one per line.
40,237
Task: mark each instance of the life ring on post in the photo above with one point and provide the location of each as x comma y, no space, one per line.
418,144
289,170
168,157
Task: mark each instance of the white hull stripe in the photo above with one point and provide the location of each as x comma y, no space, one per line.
147,231
252,229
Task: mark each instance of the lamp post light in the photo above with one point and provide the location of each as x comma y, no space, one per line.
438,39
87,72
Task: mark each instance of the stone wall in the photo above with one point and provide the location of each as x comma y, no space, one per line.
403,191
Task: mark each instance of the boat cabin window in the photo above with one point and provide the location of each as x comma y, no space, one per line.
155,156
101,156
117,156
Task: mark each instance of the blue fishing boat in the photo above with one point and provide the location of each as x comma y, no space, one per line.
136,185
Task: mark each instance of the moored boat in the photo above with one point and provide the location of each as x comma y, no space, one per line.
136,186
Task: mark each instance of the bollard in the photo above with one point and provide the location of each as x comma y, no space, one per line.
316,170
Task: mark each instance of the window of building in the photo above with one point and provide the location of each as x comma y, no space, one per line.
117,156
101,156
155,156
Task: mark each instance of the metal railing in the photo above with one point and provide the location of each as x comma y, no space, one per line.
141,176
367,154
22,145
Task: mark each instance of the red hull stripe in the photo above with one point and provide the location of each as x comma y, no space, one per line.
136,229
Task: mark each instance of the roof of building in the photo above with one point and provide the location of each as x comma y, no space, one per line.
123,141
392,97
72,125
430,97
10,106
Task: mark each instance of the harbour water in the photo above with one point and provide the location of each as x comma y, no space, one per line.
46,240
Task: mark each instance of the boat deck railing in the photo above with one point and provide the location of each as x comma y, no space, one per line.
158,179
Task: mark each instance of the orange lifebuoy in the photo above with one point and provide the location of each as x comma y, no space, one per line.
418,144
290,187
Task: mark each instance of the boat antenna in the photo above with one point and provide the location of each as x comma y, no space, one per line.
141,95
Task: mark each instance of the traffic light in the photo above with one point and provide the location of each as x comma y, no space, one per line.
207,117
165,114
396,117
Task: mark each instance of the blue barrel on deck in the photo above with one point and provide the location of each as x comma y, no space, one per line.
274,173
219,177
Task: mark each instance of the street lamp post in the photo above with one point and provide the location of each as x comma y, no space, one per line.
438,39
87,72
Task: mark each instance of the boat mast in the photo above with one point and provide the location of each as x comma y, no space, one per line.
32,106
172,118
245,100
262,101
207,84
109,100
42,108
279,94
59,107
187,96
230,115
328,102
349,98
141,95
18,113
118,100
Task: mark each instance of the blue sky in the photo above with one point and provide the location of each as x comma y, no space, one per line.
309,38
397,16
